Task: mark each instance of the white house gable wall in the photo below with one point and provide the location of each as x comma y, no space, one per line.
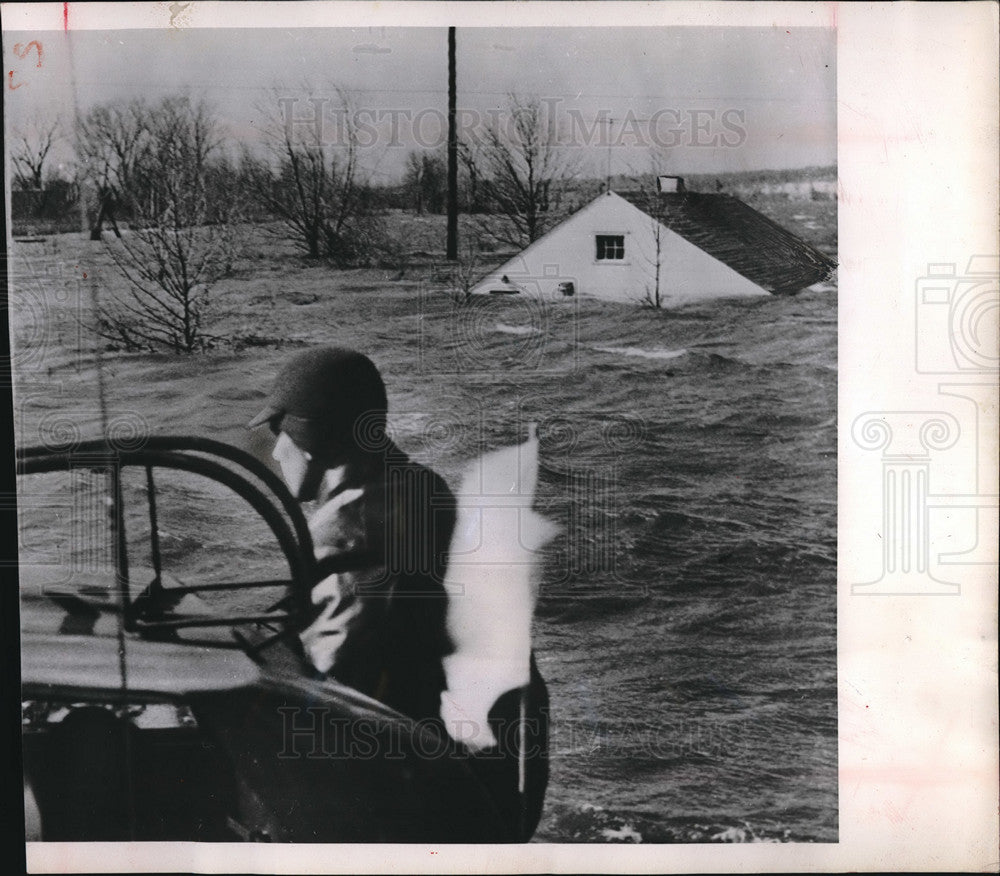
688,273
569,254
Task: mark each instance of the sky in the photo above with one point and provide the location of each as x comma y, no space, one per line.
703,99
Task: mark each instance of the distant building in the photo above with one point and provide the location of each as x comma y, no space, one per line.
698,245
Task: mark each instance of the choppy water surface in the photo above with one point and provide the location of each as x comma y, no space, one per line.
686,624
694,686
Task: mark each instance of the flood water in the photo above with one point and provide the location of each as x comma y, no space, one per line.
686,621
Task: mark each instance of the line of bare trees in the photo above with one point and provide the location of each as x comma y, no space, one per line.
30,148
162,171
516,173
519,170
316,186
513,177
41,189
160,165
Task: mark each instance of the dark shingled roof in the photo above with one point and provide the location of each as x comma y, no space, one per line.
738,236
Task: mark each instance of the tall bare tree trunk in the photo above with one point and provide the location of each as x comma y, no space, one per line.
452,153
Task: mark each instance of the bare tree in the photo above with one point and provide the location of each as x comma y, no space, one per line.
659,165
313,182
523,166
169,173
181,240
426,178
465,272
653,295
109,139
414,179
469,158
29,151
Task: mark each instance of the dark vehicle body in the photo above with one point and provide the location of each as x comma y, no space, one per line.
147,714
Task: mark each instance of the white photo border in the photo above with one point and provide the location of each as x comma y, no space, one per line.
917,95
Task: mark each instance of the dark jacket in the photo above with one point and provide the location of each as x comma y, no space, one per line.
379,621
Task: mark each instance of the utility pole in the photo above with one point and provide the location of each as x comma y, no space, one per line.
452,248
607,186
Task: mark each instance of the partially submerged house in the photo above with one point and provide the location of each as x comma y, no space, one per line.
672,244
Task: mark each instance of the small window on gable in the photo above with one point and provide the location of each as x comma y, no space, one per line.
610,247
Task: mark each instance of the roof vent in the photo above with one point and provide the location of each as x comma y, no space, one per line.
667,184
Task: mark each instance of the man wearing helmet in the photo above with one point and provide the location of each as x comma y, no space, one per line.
382,528
381,531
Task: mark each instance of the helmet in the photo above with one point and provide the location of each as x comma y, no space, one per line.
328,400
